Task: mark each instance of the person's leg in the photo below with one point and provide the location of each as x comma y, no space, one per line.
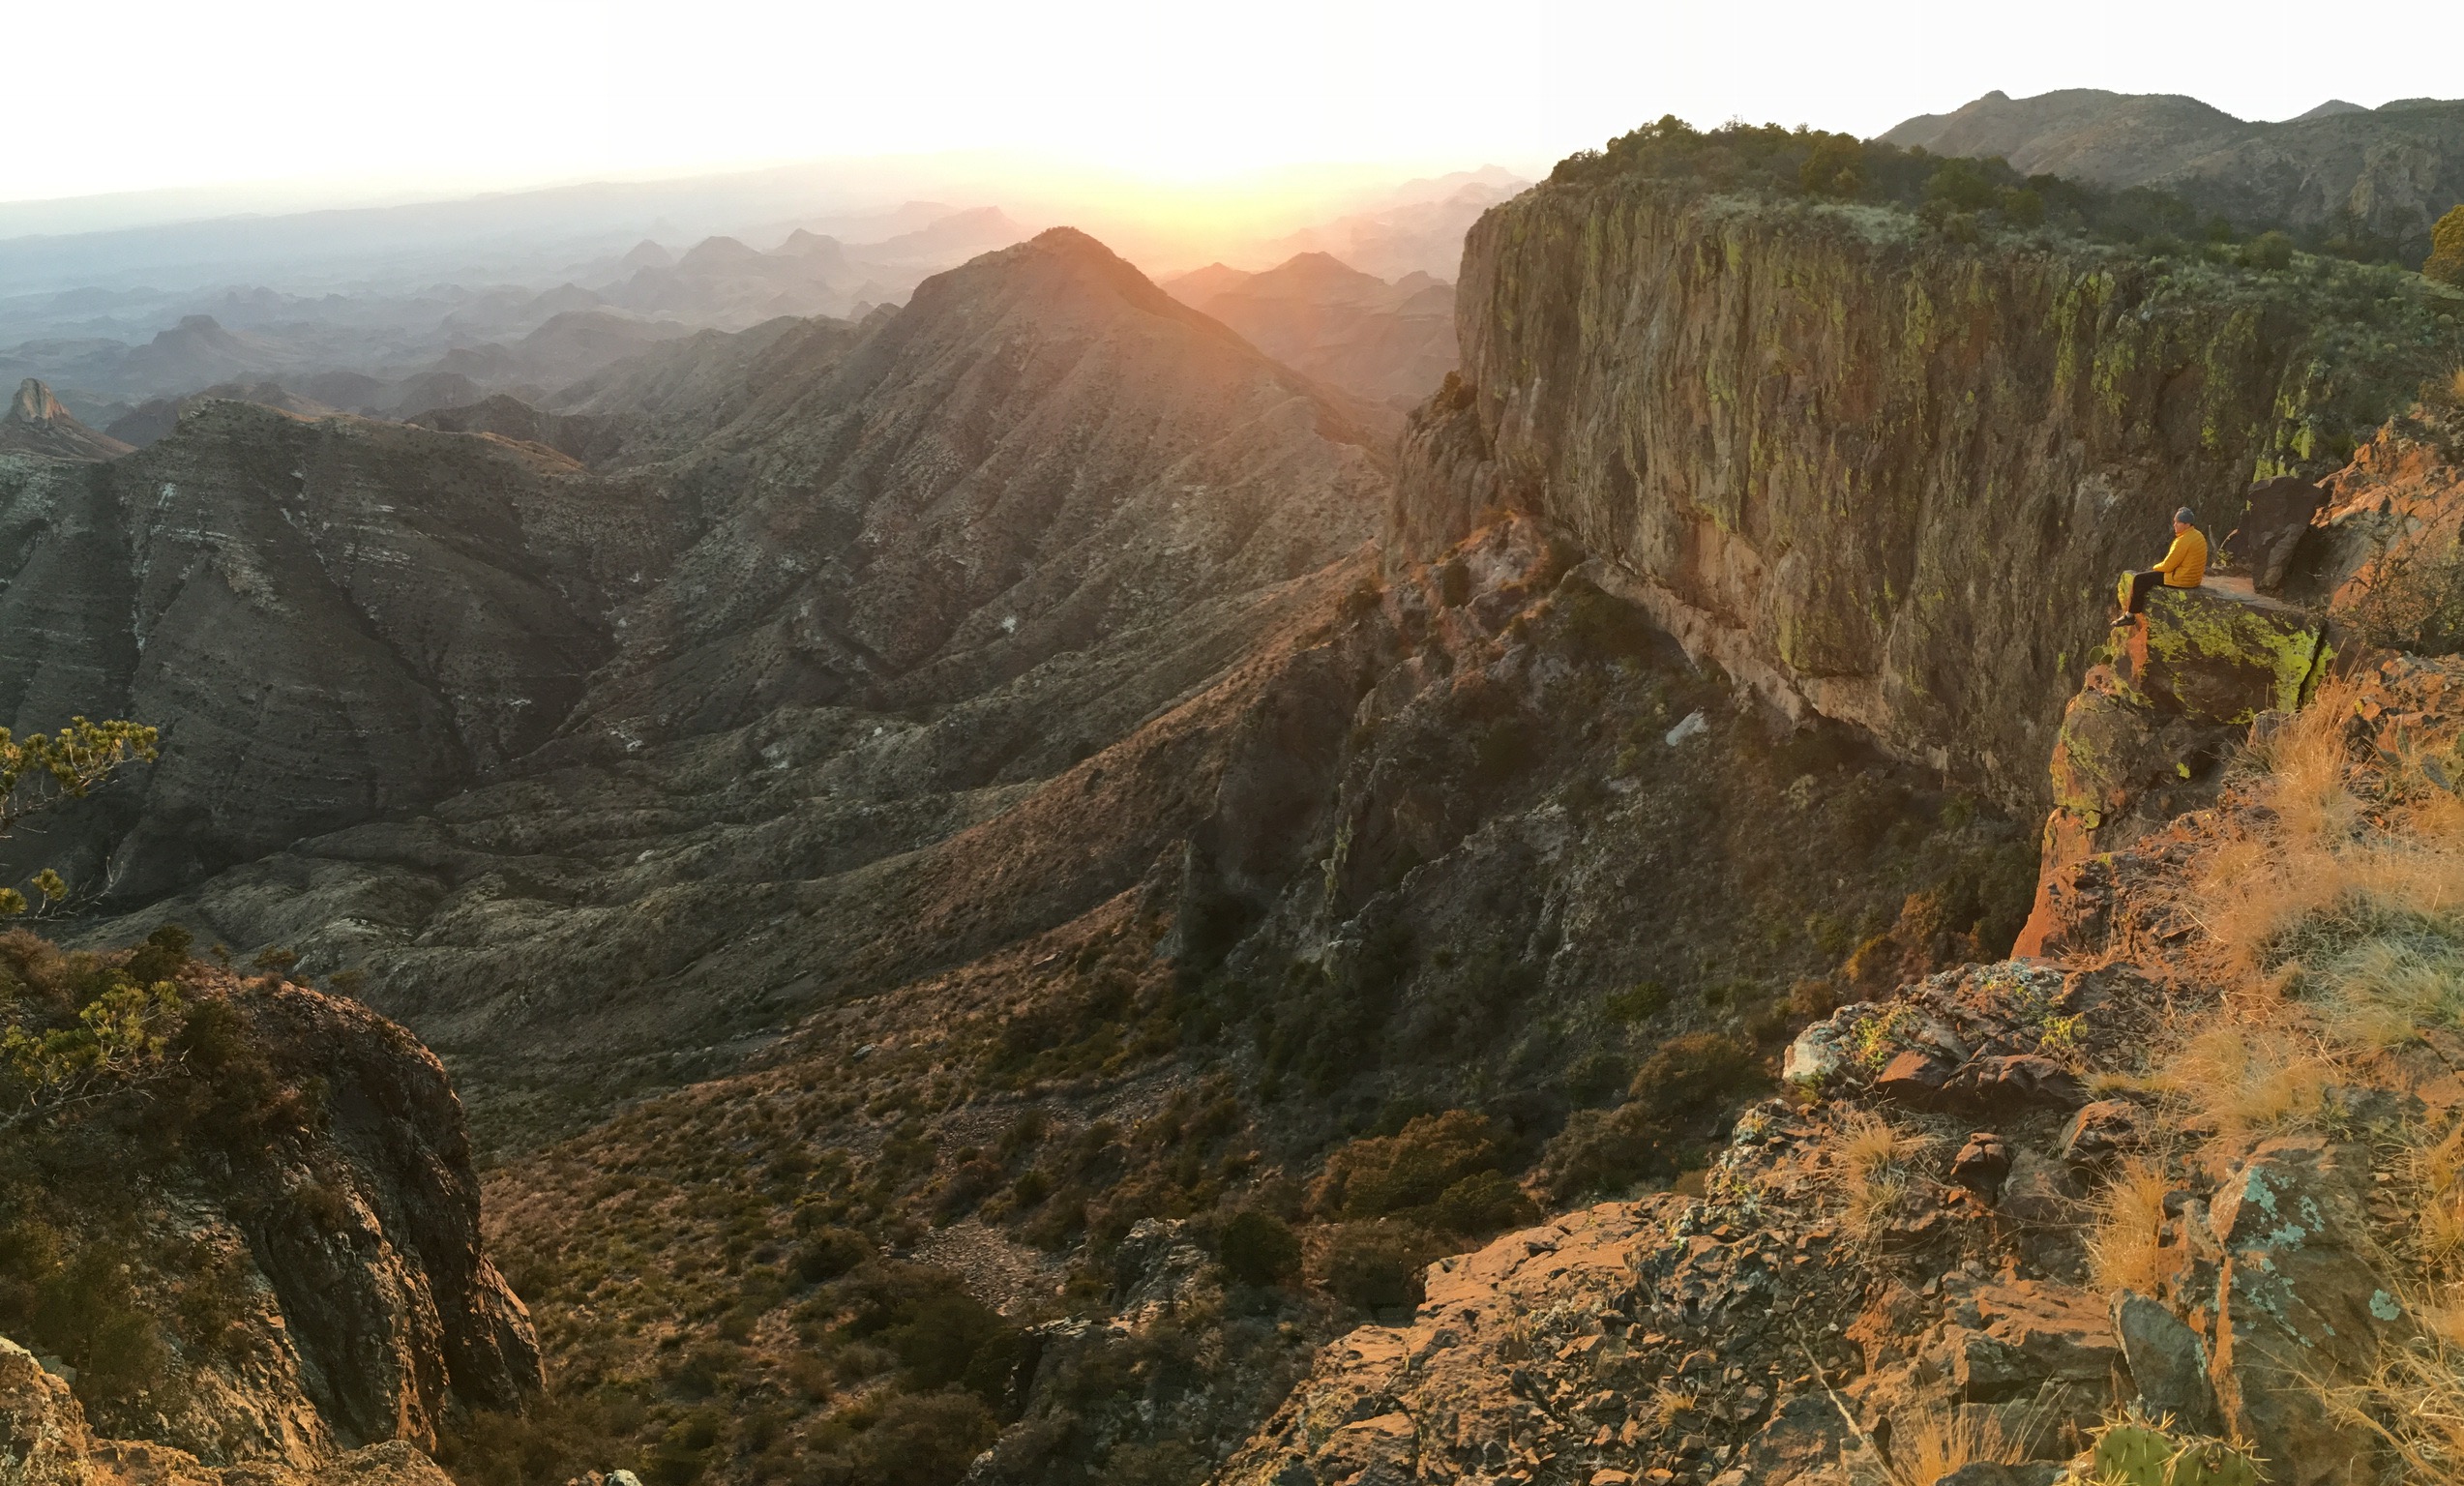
2140,585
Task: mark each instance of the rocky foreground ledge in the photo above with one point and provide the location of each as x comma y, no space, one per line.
2157,1194
254,1256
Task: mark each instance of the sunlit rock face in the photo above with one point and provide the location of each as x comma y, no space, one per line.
1882,475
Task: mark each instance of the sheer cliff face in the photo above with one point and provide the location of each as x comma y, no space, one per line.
1881,478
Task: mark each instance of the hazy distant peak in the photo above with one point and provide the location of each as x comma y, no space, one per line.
2327,111
804,243
648,254
716,254
1317,276
37,424
34,403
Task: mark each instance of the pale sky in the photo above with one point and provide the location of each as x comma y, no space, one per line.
129,95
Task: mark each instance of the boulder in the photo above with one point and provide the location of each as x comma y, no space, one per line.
2100,1134
2009,1082
1913,1078
2279,513
2168,1362
2297,1300
43,1433
2221,654
2034,1336
1982,1164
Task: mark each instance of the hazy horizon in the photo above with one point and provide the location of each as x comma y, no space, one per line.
279,106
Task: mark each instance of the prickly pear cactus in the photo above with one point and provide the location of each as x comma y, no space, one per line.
2212,1463
2133,1455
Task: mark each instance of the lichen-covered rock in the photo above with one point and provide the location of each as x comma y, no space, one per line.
2218,654
1881,476
2276,517
42,1432
2297,1299
2145,739
331,1200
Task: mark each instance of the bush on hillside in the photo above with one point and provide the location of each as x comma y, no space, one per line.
1377,1266
2445,262
1374,1177
1259,1248
1677,1097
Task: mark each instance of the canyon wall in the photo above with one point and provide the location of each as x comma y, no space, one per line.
1878,474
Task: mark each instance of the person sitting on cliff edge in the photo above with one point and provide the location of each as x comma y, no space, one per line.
2184,566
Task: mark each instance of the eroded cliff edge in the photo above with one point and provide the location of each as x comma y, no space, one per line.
1877,472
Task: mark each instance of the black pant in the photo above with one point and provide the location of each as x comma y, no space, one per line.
2140,584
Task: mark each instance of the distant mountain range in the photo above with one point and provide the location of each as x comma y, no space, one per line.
401,354
2387,172
1388,344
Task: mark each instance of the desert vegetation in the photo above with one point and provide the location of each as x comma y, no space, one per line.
1964,198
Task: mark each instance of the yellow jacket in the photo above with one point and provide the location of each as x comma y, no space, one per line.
2186,562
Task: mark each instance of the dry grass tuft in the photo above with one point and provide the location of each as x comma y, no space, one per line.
2413,1398
1877,1173
2433,1167
2123,1251
2358,914
1927,1445
2240,1081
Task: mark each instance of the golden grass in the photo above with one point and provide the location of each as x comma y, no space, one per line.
2432,1168
2123,1250
1927,1445
1876,1172
1670,1408
2413,1399
2250,1080
2359,914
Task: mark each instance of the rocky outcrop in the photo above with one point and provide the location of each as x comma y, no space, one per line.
37,424
2276,517
2387,555
293,1202
1885,476
44,1440
2149,734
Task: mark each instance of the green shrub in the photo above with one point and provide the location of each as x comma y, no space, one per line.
1377,1176
1677,1093
1259,1248
2445,262
2271,251
939,1334
162,955
1377,1266
1638,1003
1692,1074
1600,1151
1482,1203
1597,1079
922,1439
